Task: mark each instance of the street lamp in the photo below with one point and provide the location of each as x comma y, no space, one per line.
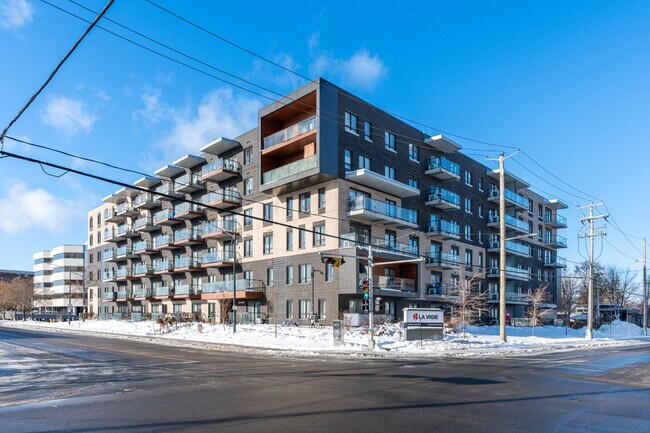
312,291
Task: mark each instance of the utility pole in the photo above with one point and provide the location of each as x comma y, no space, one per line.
371,302
502,250
591,235
645,292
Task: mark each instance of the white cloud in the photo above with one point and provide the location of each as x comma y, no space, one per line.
361,70
23,208
68,115
15,13
219,114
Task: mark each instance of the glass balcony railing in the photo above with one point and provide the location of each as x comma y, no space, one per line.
212,227
186,289
359,240
511,272
187,262
142,199
142,268
108,255
555,240
141,293
447,227
510,221
163,215
555,261
509,195
290,169
393,283
188,179
287,134
122,294
187,235
511,246
142,246
380,207
123,207
123,273
221,164
123,251
182,208
166,188
162,266
217,257
142,222
110,213
438,258
108,296
162,240
223,195
555,219
109,234
227,286
438,193
163,290
122,230
443,163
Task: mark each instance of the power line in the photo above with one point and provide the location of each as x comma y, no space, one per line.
617,227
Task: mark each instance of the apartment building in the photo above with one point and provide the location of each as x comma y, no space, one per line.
325,173
96,267
59,280
7,275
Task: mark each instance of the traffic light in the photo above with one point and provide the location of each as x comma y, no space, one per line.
334,261
366,288
379,305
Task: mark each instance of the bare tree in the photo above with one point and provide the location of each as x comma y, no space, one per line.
469,303
569,291
537,299
5,298
225,306
581,274
619,289
17,294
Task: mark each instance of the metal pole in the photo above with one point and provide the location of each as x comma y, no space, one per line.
502,250
312,293
234,284
645,292
371,302
590,307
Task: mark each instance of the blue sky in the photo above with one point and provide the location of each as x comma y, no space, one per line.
564,81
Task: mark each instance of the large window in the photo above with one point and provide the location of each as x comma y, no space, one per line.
269,276
305,308
268,244
248,186
414,152
289,240
248,217
305,202
248,247
248,155
389,172
289,207
319,235
364,162
289,309
302,238
347,159
329,272
351,121
389,141
321,198
268,211
304,273
367,130
289,275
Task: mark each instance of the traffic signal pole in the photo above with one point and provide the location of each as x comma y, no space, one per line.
371,302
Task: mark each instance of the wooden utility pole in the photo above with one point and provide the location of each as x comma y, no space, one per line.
590,308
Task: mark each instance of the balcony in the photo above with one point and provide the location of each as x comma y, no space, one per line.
144,224
293,134
290,169
220,146
162,267
511,223
187,264
511,297
223,199
246,289
123,274
145,201
111,216
123,295
123,253
142,269
109,296
124,231
185,290
218,259
392,284
110,235
188,183
555,242
442,168
511,198
380,246
143,247
442,199
168,192
363,207
512,273
109,277
166,217
188,211
125,209
554,262
223,229
442,292
220,170
441,261
188,237
515,248
108,256
163,242
555,221
385,184
441,230
162,292
141,293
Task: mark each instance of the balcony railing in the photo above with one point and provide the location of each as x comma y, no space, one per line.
143,198
557,220
141,293
393,283
559,262
438,225
290,169
223,195
442,290
558,241
443,163
123,230
123,251
108,255
162,240
188,179
440,259
182,208
124,273
109,234
110,213
122,294
187,235
217,257
186,290
493,193
386,209
166,188
212,227
510,221
163,291
108,296
226,286
514,247
187,262
511,272
511,297
142,246
162,266
165,214
142,222
221,164
357,239
142,269
292,131
123,207
438,193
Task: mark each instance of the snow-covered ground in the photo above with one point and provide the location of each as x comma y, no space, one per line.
476,341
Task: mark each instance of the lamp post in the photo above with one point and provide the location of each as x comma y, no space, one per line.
312,290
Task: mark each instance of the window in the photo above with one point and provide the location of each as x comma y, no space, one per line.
248,155
347,159
289,207
90,258
289,309
480,184
414,244
304,309
540,211
248,247
468,233
389,141
480,260
364,162
468,178
90,240
319,235
367,130
351,121
391,207
321,198
480,211
468,205
329,273
540,232
268,211
269,276
289,275
414,182
302,238
99,219
305,274
531,207
289,240
468,259
322,308
90,223
480,236
248,275
414,152
268,244
178,308
530,227
389,172
248,186
248,217
305,202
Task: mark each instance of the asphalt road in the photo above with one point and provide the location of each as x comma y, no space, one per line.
53,382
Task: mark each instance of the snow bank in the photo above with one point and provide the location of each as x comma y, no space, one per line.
618,329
